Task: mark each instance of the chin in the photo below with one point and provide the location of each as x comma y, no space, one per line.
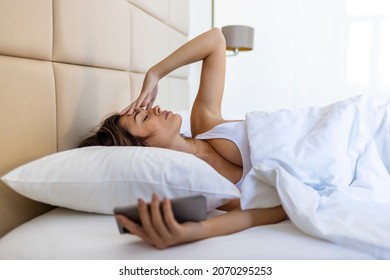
178,116
177,119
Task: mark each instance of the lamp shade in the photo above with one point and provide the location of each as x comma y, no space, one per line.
238,37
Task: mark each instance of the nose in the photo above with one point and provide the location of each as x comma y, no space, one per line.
156,110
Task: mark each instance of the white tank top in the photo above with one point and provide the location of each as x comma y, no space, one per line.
235,132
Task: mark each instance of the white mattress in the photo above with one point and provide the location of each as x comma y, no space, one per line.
67,234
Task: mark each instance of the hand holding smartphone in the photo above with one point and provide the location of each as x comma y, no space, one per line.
185,209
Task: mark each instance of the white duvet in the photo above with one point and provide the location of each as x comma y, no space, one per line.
329,168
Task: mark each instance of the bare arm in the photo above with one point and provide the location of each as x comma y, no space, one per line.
208,47
162,230
238,220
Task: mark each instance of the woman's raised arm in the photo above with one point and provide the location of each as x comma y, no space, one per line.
208,47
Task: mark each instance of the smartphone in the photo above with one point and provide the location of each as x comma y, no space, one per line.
185,209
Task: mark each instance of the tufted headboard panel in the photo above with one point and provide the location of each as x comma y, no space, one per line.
66,64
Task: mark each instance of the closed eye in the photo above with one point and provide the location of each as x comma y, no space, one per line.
145,117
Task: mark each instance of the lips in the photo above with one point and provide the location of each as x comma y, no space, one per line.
166,114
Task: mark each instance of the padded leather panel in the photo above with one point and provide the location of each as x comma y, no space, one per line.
92,32
28,129
26,28
78,108
65,64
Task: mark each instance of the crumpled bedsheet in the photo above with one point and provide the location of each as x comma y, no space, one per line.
329,168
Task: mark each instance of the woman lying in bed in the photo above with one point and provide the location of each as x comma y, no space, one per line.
222,144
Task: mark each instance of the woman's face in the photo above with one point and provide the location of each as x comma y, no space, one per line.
156,126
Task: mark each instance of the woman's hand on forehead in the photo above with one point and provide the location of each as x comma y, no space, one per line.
147,96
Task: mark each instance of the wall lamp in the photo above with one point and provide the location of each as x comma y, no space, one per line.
238,38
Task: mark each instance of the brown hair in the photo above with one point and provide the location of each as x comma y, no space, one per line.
110,133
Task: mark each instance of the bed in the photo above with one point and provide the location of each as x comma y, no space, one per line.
66,64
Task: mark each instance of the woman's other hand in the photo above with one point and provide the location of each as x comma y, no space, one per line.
147,96
160,228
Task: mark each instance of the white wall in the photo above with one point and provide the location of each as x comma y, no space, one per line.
200,21
307,52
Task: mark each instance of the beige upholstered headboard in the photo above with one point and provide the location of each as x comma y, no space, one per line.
65,64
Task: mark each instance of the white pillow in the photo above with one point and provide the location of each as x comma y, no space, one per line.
97,179
185,128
